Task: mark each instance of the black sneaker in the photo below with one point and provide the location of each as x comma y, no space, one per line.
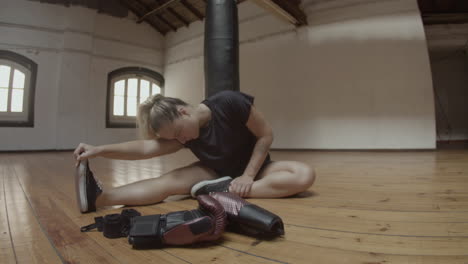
210,186
87,188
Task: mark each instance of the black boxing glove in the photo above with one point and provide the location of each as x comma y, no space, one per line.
179,228
248,218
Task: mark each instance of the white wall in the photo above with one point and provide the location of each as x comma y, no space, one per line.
75,48
449,63
357,77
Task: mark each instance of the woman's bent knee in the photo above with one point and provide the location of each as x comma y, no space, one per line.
306,176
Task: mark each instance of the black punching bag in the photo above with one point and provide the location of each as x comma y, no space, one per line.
221,46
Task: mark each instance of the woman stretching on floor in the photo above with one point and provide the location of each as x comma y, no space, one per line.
228,135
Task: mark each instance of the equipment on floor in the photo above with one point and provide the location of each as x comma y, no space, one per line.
113,225
179,228
247,218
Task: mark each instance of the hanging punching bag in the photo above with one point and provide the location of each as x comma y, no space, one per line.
221,46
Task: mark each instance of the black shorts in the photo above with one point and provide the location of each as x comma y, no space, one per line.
264,165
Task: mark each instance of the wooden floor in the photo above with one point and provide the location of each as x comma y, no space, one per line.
366,207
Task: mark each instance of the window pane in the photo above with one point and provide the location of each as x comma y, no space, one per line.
3,99
156,89
18,79
132,87
144,90
131,106
144,84
119,88
4,75
17,100
118,105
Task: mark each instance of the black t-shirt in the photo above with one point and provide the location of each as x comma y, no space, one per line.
225,144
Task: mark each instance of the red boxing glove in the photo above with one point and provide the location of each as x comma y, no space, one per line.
247,218
179,228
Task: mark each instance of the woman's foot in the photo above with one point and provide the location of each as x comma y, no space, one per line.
210,186
87,188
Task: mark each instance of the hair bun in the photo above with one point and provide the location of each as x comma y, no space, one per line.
151,100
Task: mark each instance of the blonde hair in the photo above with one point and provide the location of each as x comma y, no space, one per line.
156,111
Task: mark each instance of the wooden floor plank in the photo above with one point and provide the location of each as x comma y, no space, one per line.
386,244
365,207
361,221
296,252
30,243
118,248
54,204
7,253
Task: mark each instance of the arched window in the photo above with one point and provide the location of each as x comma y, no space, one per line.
17,85
127,88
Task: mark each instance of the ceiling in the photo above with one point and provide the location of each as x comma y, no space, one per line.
444,11
169,15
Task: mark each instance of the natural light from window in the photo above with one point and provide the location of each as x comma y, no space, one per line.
130,92
11,91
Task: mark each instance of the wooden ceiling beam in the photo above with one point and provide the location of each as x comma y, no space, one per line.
293,8
445,18
174,28
158,9
238,1
192,9
137,13
285,9
162,19
178,16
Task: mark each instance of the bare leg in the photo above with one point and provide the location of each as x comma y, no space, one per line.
154,190
282,178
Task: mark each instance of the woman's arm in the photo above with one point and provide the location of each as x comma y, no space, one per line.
258,125
132,150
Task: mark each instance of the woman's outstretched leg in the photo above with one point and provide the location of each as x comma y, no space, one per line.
154,190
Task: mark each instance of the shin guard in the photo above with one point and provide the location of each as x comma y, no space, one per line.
247,218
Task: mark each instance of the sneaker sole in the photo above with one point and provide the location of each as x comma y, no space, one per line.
201,184
80,186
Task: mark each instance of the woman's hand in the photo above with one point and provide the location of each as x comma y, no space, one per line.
241,185
85,151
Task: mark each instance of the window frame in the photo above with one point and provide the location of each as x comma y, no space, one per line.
126,73
20,62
